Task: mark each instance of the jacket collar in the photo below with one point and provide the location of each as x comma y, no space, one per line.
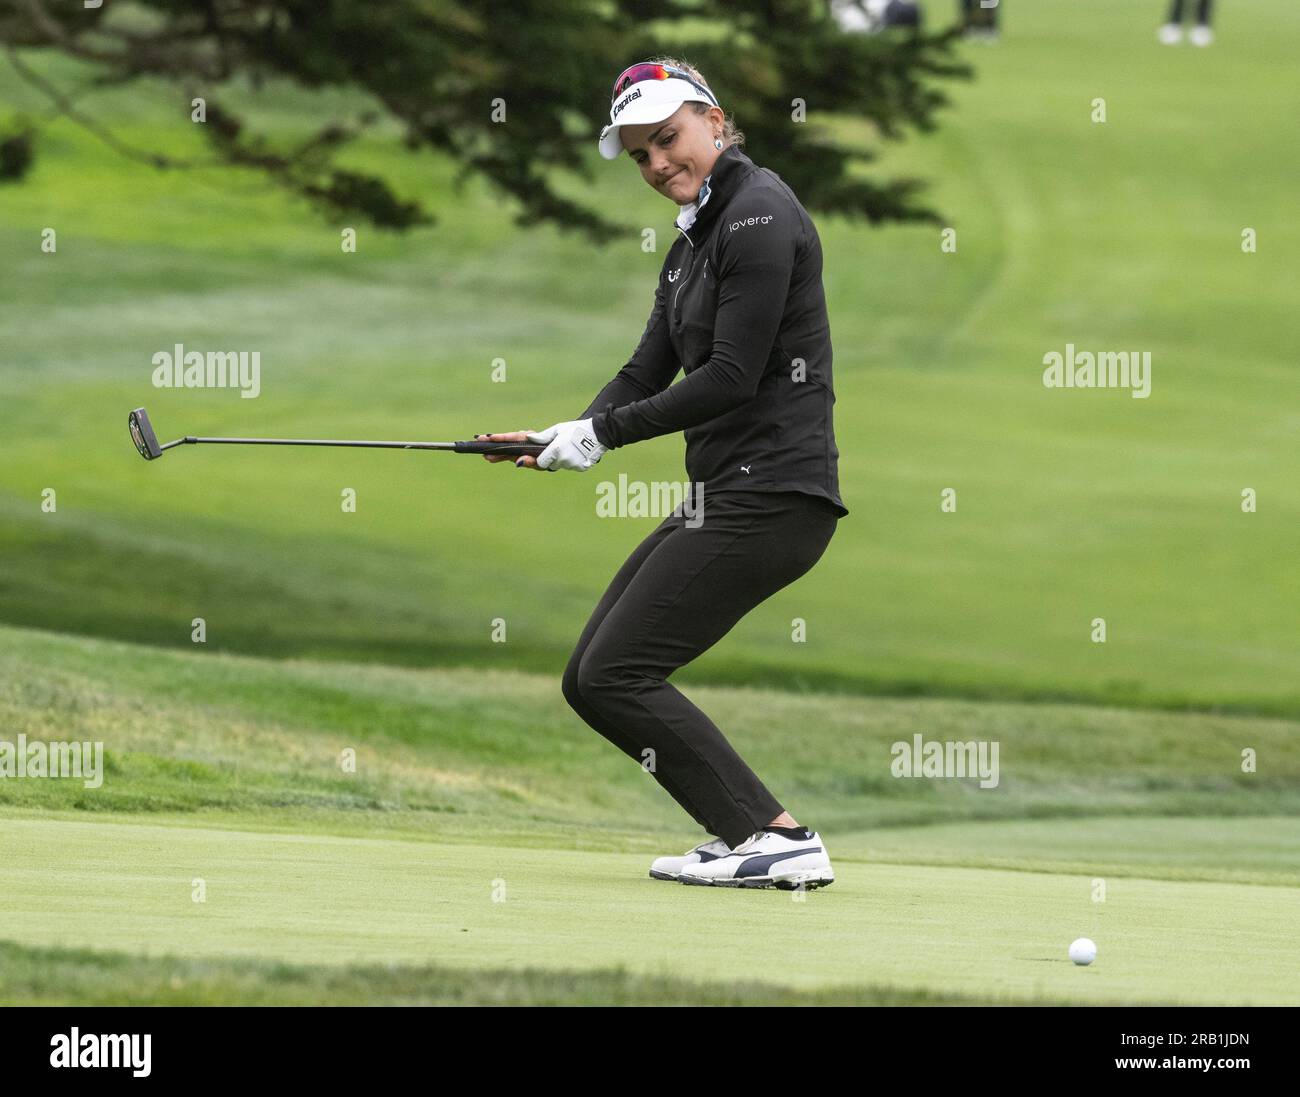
731,166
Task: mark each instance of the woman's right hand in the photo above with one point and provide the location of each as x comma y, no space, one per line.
509,436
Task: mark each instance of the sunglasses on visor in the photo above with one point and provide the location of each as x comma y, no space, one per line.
648,71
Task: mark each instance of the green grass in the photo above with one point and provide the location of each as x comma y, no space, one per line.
1071,505
322,901
372,632
486,831
441,751
48,976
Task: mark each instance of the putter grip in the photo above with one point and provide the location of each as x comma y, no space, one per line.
503,449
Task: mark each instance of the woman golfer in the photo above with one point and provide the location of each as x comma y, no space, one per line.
740,308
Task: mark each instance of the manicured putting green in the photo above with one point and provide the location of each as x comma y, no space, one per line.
336,901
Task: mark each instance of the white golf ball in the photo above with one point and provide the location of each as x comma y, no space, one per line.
1083,951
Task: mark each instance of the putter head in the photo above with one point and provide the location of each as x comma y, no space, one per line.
142,434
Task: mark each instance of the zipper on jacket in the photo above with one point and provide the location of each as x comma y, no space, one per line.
687,278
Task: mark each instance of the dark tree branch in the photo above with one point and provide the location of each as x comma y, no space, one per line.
66,108
436,68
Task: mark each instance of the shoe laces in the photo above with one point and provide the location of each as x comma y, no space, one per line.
749,842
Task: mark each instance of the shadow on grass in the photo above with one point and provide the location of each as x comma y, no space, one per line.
55,976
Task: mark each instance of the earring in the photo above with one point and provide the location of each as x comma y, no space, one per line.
717,142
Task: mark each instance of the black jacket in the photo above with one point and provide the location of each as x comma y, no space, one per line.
740,307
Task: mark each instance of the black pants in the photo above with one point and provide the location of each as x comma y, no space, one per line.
1202,12
678,594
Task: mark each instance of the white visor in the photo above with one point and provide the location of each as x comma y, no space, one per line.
647,101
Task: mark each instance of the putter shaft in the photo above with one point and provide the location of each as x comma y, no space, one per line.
146,442
504,449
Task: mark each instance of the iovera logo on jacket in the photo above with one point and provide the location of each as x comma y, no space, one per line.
761,219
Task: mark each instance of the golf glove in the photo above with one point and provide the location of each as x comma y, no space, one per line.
572,446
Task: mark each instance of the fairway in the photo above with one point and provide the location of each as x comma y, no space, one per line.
1070,505
363,784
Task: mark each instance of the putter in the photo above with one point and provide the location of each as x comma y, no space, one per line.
147,442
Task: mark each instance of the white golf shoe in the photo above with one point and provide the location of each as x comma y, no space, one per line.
1201,35
1171,34
765,860
668,868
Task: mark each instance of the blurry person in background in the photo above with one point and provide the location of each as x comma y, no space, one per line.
871,16
1201,35
980,19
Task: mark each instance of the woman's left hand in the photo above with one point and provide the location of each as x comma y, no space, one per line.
572,445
